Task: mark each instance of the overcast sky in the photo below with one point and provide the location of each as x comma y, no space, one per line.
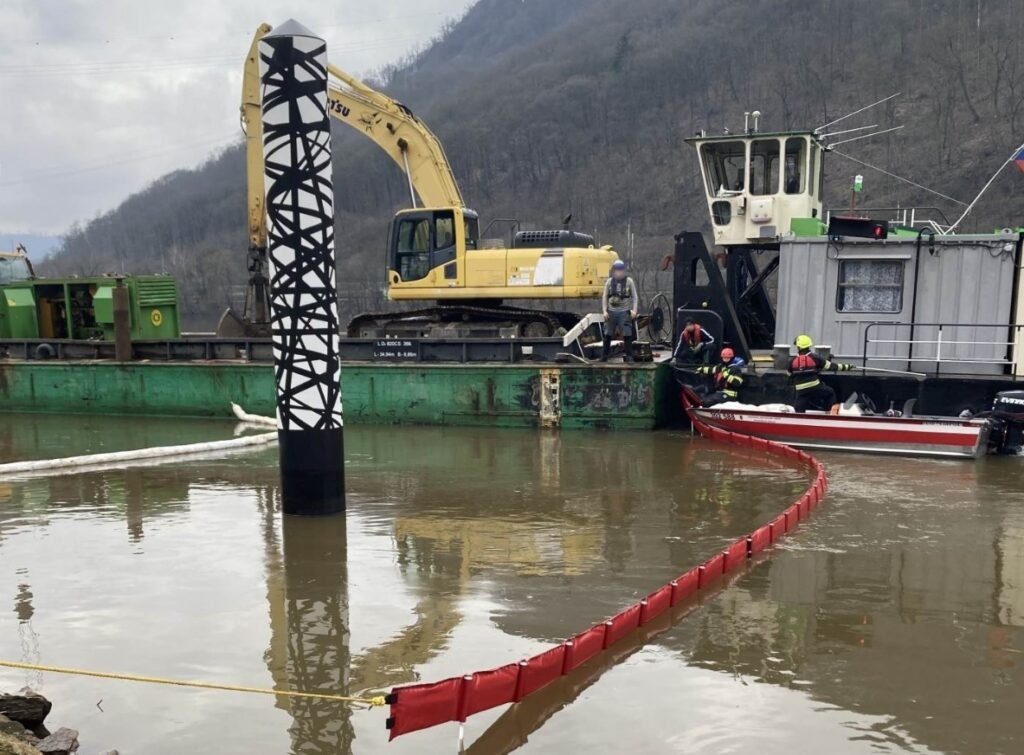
100,97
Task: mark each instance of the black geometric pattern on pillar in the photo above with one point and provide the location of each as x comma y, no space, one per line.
300,215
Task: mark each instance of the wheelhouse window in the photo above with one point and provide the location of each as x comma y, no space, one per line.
764,166
723,167
795,173
812,170
870,286
721,212
820,173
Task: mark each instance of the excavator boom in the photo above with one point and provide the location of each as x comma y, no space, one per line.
393,128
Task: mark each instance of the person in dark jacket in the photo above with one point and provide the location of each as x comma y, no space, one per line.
726,378
694,345
805,376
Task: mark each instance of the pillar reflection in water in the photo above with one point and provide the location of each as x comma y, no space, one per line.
307,587
27,635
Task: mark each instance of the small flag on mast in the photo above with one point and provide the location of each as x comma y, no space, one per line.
1019,159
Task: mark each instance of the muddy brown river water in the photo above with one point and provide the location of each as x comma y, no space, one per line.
891,621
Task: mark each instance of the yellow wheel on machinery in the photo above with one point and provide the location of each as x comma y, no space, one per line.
156,317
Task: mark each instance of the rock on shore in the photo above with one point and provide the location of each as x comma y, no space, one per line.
28,708
22,731
64,741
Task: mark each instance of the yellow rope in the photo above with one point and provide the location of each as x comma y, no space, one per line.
368,701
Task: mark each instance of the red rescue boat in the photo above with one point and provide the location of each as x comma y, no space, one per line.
946,437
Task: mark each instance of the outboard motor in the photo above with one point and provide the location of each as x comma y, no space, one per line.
1008,414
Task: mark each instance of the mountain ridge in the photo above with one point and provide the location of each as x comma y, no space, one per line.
582,106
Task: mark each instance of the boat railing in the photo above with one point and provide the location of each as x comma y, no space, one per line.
944,345
909,217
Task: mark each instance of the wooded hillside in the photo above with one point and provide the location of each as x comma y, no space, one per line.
581,106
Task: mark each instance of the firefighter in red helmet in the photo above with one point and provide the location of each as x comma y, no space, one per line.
726,378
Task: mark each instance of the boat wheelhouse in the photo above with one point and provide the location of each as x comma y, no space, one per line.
758,184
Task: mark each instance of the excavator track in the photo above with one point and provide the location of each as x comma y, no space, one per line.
461,321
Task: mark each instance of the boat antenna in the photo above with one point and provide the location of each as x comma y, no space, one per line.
984,188
899,178
848,131
865,136
855,112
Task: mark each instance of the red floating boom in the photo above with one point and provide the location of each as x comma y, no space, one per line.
420,706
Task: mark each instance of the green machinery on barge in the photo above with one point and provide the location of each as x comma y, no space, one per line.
81,308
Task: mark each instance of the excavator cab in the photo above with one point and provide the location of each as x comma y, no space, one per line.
428,246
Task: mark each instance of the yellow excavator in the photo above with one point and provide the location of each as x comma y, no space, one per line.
435,253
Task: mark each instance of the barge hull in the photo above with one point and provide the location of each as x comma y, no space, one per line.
634,397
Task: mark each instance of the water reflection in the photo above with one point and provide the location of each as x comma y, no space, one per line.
27,635
904,604
49,436
134,495
307,589
570,527
899,606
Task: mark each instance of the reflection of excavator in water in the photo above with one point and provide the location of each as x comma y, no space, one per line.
451,552
307,580
435,251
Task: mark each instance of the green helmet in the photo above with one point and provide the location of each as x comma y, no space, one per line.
804,342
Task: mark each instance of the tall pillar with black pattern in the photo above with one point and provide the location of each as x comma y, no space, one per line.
303,294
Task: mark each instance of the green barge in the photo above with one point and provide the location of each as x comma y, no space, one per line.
612,396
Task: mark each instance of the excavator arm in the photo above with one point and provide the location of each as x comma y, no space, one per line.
252,127
387,122
255,319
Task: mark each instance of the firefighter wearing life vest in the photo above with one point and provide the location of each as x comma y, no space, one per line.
805,376
726,378
694,345
620,303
